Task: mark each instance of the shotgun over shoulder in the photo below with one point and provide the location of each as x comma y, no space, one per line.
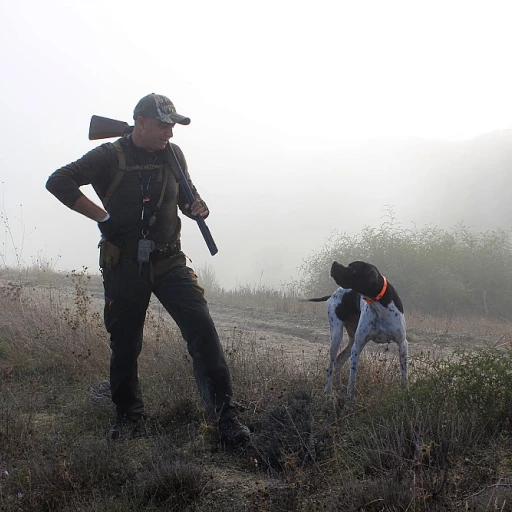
104,128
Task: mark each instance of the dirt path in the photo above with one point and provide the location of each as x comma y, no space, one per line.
309,334
292,334
302,329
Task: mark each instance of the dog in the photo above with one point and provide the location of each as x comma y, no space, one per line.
369,308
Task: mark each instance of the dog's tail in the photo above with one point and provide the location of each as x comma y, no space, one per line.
317,299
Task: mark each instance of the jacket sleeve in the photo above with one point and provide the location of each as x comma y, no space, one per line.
93,168
182,200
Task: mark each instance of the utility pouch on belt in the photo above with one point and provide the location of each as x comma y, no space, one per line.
145,248
109,254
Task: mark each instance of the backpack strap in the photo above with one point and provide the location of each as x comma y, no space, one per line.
118,176
118,152
161,198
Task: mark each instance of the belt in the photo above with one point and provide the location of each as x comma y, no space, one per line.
163,251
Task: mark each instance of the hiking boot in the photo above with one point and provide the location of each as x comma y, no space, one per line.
232,431
125,428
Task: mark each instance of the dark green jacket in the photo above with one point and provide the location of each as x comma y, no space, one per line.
98,168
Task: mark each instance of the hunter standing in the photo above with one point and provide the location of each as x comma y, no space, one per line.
141,196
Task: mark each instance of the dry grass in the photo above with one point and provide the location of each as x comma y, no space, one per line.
443,446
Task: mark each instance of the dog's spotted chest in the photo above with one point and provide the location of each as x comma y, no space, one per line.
385,324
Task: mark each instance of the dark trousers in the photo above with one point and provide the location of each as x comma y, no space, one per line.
127,296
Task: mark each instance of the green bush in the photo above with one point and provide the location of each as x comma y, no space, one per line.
442,435
434,270
475,385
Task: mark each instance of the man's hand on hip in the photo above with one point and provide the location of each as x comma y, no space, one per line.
109,228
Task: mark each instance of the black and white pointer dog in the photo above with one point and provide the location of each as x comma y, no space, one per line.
369,308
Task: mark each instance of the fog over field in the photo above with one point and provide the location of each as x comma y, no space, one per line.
307,117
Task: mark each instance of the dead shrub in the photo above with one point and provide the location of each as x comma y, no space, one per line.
284,438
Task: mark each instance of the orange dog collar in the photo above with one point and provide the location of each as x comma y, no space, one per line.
381,294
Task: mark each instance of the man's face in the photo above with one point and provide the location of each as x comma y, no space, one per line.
154,134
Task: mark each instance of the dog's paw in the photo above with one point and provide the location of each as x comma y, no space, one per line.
328,389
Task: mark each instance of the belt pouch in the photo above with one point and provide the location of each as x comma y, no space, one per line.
109,254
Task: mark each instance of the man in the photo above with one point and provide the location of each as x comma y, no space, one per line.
141,195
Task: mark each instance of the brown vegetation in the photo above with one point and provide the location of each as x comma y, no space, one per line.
444,445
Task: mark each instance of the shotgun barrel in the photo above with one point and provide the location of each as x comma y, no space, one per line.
104,128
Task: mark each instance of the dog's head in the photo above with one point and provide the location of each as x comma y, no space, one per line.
360,276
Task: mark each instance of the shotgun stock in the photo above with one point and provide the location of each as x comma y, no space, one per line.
103,128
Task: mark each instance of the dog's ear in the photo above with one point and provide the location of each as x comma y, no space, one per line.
353,267
373,274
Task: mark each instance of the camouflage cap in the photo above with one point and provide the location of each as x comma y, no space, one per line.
160,107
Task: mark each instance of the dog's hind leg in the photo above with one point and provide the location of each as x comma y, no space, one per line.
336,329
342,357
362,337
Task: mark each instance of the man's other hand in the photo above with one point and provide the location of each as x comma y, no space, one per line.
198,209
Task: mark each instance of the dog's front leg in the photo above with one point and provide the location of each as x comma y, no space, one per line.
336,329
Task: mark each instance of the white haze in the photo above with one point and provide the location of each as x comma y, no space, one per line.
307,117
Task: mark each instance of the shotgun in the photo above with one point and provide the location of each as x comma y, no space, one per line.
103,128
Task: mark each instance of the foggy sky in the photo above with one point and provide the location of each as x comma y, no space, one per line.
303,115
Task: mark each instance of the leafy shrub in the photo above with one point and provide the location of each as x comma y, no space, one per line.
441,435
434,270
